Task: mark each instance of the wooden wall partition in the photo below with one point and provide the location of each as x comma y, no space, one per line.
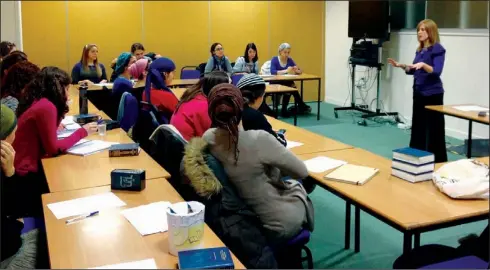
54,32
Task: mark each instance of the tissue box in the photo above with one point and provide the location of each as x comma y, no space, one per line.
132,180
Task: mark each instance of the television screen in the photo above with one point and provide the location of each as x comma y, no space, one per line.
369,19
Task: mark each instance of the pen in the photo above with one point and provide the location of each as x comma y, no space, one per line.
69,221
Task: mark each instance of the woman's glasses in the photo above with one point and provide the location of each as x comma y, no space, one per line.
218,49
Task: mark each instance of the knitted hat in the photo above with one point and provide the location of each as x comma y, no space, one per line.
8,122
249,80
121,62
138,67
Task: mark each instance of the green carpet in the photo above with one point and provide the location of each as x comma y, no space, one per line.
380,243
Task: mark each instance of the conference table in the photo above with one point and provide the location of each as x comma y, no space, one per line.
471,116
411,208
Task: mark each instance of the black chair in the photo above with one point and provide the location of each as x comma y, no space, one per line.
201,68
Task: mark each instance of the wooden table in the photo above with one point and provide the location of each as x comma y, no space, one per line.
470,116
411,208
312,142
71,172
303,77
109,238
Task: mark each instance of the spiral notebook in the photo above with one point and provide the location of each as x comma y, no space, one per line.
352,174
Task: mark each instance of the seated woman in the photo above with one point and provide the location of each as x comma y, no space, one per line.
249,62
18,76
281,65
252,87
18,250
161,74
9,61
218,60
42,106
138,51
6,47
89,70
191,117
139,69
123,82
254,161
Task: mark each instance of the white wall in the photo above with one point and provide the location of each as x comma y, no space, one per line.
465,74
11,22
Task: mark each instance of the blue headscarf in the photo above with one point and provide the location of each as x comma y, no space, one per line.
155,76
122,62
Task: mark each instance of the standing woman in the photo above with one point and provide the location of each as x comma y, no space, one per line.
89,70
427,127
218,60
282,65
249,62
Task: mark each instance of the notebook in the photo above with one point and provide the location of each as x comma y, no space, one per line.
352,174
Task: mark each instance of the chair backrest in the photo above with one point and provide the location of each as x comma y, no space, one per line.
148,120
189,72
128,114
235,78
266,68
202,67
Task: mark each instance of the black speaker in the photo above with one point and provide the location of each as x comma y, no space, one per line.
369,19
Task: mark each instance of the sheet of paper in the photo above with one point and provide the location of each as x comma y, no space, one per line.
90,147
322,164
85,205
64,133
148,219
471,108
292,144
290,75
143,264
103,84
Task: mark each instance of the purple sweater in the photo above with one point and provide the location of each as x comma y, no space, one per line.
427,84
276,65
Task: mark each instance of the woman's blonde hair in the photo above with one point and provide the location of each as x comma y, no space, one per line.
84,59
432,32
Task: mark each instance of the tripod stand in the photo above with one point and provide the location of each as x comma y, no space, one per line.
353,106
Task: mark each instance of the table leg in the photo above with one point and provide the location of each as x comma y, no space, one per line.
470,129
318,99
297,111
407,242
416,241
357,229
347,225
302,89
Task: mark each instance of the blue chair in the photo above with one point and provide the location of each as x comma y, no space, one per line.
235,78
31,223
128,111
468,262
300,241
189,72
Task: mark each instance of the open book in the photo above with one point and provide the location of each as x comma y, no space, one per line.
352,174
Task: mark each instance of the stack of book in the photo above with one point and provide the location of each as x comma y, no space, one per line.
412,165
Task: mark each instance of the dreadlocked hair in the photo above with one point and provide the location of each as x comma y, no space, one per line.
50,83
225,111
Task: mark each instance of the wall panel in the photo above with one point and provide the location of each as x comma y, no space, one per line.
178,30
236,23
44,33
299,23
112,25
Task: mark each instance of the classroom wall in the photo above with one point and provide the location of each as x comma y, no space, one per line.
55,31
11,29
465,74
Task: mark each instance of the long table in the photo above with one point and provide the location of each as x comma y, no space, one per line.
109,238
470,116
411,208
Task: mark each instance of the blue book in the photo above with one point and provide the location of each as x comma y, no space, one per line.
206,258
413,156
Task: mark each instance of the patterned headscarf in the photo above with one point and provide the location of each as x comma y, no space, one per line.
122,62
225,110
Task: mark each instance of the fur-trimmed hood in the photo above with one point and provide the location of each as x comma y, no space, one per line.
201,177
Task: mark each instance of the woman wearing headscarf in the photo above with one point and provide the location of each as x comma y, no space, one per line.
139,69
284,64
160,75
254,162
123,82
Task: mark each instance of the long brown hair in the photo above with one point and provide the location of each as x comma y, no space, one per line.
225,111
432,32
18,76
203,86
50,83
84,59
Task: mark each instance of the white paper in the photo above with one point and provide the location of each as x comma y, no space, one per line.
290,75
68,120
470,108
103,84
90,147
292,144
148,219
85,205
143,264
64,133
322,164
